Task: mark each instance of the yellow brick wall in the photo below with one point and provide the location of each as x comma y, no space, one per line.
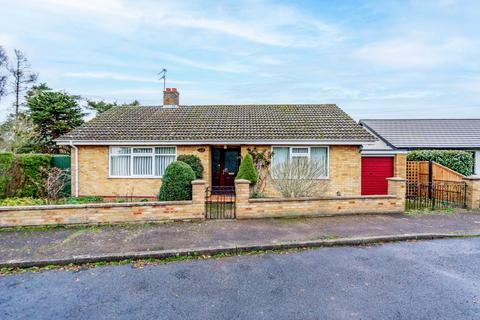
93,175
344,172
247,208
108,212
400,166
345,165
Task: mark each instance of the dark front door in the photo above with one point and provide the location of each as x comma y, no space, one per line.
225,163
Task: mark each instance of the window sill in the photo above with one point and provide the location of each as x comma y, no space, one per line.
135,177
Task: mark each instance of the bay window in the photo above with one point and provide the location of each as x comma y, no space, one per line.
141,162
318,156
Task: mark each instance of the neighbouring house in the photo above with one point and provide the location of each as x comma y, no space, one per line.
403,135
125,150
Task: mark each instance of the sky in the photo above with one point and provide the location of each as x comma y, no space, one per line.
375,59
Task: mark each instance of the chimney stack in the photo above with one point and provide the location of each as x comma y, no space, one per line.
171,98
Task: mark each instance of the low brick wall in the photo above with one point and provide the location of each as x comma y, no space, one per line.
107,212
247,208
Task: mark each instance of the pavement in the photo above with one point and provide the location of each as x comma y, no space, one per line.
405,280
116,242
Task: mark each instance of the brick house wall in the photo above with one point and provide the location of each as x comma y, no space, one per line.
94,180
344,172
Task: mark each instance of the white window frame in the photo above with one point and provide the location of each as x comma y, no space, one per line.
290,156
132,155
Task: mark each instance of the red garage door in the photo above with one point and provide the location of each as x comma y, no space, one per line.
375,171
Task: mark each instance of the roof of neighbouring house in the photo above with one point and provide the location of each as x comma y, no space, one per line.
427,133
223,123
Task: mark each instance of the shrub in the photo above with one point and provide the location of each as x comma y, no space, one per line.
177,182
82,200
247,170
457,160
6,161
20,202
35,169
194,162
299,179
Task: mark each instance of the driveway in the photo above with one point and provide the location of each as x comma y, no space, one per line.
416,280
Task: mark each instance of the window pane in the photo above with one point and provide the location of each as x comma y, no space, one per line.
319,158
142,150
120,166
165,150
299,150
280,155
142,166
120,150
161,163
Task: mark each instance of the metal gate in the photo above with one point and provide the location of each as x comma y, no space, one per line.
436,195
220,203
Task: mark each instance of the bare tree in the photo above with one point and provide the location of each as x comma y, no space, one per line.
23,77
3,77
299,179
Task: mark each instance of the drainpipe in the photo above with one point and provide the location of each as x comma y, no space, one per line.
76,168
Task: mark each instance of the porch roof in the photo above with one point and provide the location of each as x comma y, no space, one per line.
222,123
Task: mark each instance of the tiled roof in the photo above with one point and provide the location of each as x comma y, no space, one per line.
427,133
221,123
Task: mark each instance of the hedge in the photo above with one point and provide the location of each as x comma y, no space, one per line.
6,161
34,168
194,162
457,160
247,170
21,174
177,182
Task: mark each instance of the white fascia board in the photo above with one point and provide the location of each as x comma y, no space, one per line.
206,142
382,152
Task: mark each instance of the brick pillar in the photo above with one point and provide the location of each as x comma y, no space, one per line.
242,194
473,191
198,197
397,188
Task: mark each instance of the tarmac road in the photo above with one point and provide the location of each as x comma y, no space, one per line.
412,280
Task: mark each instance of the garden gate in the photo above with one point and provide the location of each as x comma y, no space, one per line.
220,202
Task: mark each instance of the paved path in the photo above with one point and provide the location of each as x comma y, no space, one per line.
65,243
415,280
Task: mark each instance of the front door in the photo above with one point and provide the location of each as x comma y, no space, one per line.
225,163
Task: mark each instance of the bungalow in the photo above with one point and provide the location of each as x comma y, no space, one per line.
402,135
125,150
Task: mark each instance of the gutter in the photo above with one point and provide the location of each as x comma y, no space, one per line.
76,167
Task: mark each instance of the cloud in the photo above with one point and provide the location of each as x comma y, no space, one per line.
118,76
280,25
413,52
7,41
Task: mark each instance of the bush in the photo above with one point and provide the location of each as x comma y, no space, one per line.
457,160
177,182
6,161
247,170
20,202
34,168
194,162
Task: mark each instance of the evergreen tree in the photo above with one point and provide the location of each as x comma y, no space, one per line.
54,114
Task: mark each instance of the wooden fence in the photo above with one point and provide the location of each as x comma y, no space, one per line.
421,171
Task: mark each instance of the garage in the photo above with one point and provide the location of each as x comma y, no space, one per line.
375,171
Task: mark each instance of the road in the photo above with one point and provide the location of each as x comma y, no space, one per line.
417,280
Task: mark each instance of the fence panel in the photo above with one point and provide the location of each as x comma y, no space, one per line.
62,161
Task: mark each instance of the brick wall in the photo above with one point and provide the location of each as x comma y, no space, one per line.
107,212
345,165
325,206
93,175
